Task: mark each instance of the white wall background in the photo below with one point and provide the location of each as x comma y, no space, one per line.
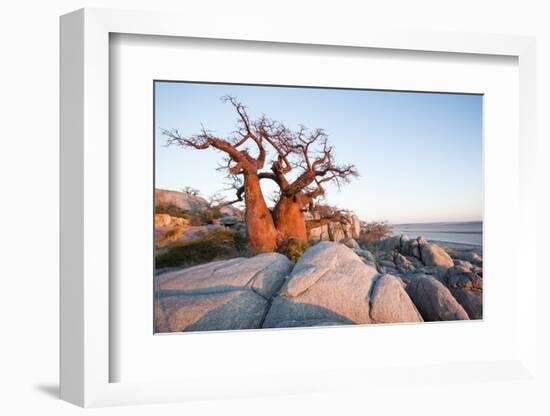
29,209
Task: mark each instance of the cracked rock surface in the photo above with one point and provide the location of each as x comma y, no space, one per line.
331,284
230,294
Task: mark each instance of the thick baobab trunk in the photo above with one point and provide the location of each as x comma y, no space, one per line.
289,218
260,228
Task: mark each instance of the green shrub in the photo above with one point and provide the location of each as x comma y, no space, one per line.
216,245
294,248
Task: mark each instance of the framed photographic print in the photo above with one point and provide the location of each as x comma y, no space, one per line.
269,213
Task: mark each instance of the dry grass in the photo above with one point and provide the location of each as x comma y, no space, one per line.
216,245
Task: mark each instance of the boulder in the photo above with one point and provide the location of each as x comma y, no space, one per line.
411,275
390,303
390,244
433,300
470,256
387,263
366,254
401,262
355,226
336,231
463,264
230,294
474,258
319,233
162,220
186,201
467,288
313,322
351,243
330,283
237,309
457,277
264,274
414,249
182,200
433,255
405,243
229,220
471,300
166,220
439,272
230,210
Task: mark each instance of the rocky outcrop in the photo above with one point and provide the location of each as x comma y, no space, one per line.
471,301
389,244
351,243
329,283
335,231
230,294
229,220
355,226
166,220
169,229
237,309
433,300
466,285
409,258
390,302
181,200
430,254
470,257
188,202
402,263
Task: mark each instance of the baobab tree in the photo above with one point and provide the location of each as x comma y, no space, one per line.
302,163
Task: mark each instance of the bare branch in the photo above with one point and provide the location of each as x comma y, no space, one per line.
240,193
328,214
204,140
307,152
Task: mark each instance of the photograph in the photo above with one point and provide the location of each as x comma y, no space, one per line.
293,206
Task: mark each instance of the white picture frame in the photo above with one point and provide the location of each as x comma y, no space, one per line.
86,356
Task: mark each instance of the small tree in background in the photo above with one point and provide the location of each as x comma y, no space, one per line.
374,231
190,191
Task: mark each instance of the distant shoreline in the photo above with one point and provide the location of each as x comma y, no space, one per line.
401,224
460,235
458,246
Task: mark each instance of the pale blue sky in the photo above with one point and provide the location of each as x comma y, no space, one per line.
419,155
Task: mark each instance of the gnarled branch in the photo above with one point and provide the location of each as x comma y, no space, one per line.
319,222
